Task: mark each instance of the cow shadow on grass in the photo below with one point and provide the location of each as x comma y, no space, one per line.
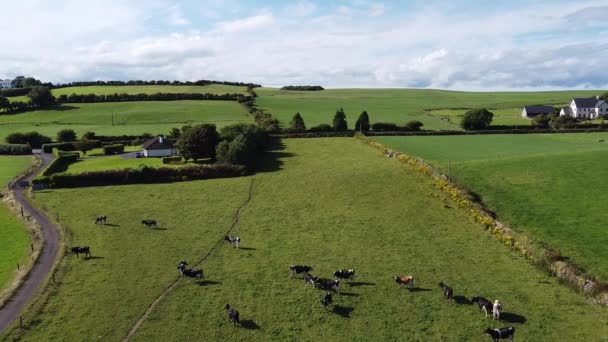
272,159
111,225
349,294
93,258
360,283
247,249
343,311
208,283
249,324
419,289
512,318
462,300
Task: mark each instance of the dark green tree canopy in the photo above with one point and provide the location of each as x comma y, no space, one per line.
477,119
362,124
5,104
66,135
85,145
297,123
541,121
41,97
198,142
339,123
414,125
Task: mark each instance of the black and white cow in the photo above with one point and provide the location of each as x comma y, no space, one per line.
181,266
448,292
149,223
327,299
501,334
310,279
484,304
102,219
233,240
328,285
86,250
233,314
299,269
192,273
345,274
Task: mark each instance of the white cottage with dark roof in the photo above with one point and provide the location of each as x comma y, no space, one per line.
158,147
586,108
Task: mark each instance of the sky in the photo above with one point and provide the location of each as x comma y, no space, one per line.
456,44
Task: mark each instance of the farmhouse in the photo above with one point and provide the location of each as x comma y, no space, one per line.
532,111
586,108
158,147
6,84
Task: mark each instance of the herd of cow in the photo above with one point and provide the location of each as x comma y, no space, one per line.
328,285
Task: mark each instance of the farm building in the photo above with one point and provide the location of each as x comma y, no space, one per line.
586,108
158,147
532,111
6,84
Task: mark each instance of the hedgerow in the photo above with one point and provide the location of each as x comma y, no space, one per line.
15,149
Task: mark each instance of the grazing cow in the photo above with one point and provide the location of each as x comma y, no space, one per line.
86,250
405,280
328,285
496,310
233,314
326,300
500,334
484,304
297,269
345,274
192,273
102,219
233,240
448,292
149,223
181,266
310,279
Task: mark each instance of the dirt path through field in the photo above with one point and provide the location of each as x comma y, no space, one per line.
235,222
45,263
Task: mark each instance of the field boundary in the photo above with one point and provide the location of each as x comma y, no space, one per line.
539,254
173,285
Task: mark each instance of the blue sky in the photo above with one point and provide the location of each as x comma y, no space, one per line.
462,45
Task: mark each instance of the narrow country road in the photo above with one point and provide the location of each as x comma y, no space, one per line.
41,269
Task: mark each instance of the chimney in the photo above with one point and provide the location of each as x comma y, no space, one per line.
161,139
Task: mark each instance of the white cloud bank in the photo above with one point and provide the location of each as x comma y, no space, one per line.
349,46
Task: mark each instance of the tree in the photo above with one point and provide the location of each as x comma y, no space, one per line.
198,142
477,119
565,121
362,124
41,97
66,135
297,123
175,133
414,125
34,139
88,136
604,96
240,151
30,82
85,145
18,82
541,121
339,123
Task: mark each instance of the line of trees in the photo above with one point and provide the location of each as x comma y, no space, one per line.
94,98
340,124
152,82
303,88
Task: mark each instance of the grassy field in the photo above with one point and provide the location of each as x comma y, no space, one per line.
129,117
117,163
15,240
380,219
504,116
151,89
397,105
549,186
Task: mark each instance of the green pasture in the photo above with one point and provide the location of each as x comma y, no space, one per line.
549,186
124,117
505,116
399,105
117,163
329,203
15,240
219,89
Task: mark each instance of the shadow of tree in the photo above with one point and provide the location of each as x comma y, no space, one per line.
271,160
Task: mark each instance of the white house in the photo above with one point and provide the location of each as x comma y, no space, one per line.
586,108
158,147
532,111
6,84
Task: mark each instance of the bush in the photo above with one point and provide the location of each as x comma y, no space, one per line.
15,149
414,125
321,128
297,123
109,150
198,142
142,175
41,97
14,92
566,121
384,127
61,163
477,119
66,135
65,146
362,123
172,160
339,123
34,139
303,88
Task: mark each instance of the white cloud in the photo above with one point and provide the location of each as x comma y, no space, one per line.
302,9
246,24
176,16
376,10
